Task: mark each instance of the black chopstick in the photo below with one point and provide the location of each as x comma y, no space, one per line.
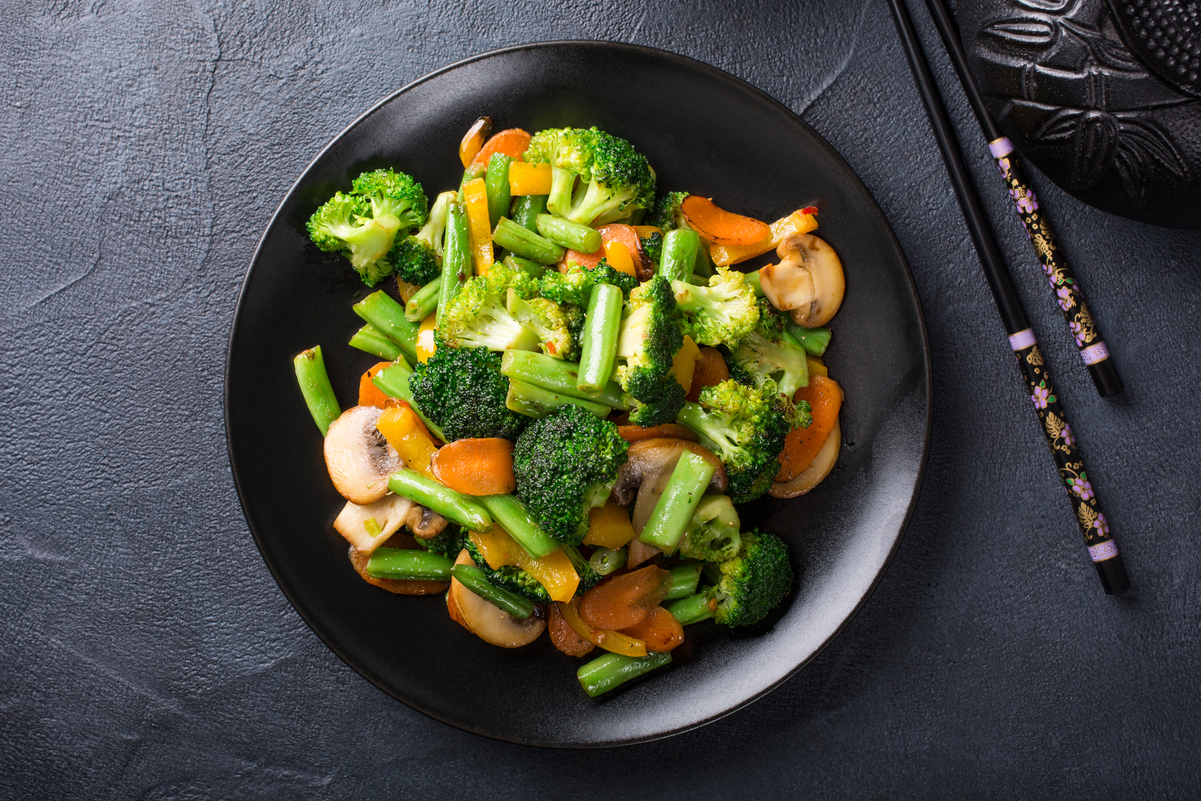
1062,440
1067,291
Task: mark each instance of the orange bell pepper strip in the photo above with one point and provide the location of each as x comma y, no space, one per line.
609,526
405,432
722,227
618,256
369,393
802,445
801,221
475,198
683,364
553,571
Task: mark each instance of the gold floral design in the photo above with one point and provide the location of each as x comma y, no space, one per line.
1035,356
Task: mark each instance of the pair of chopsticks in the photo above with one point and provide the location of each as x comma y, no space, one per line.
1060,437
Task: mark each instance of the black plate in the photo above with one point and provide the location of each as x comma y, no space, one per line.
706,132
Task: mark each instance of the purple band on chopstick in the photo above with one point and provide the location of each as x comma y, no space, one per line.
1022,339
1103,551
1000,147
1095,353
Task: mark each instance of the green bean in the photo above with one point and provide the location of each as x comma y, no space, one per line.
526,209
604,561
456,261
315,387
556,375
513,517
814,340
612,670
424,301
370,339
405,564
531,268
601,327
683,581
388,316
679,500
474,579
534,401
679,254
454,506
692,609
569,234
496,184
524,242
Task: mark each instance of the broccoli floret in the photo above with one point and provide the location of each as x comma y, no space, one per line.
722,313
448,542
615,180
770,353
505,277
462,391
547,319
477,318
574,284
746,427
509,577
576,317
712,533
653,246
754,582
417,258
565,464
668,215
364,224
647,343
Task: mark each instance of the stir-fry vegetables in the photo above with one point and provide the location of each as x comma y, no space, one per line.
577,389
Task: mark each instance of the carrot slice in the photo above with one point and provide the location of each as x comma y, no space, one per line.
659,630
511,141
614,232
803,444
613,641
800,221
473,140
621,601
720,226
369,393
710,371
633,434
476,466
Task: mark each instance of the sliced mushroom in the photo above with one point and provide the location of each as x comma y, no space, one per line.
812,475
425,523
490,623
358,457
384,517
648,458
359,561
808,281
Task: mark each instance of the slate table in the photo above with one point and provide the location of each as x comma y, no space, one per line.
148,653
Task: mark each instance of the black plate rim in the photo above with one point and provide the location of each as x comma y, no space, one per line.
306,614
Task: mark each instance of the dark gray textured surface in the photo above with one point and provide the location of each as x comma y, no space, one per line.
148,652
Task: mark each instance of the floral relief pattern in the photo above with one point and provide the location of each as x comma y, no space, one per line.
1059,275
1062,441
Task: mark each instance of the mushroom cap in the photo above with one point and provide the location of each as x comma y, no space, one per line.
389,513
808,281
490,623
812,475
358,457
648,458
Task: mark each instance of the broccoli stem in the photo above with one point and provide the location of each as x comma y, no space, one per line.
569,234
679,500
474,579
496,186
683,581
679,254
370,339
406,564
755,280
814,340
531,268
525,242
454,506
394,382
456,260
424,301
388,316
516,520
604,561
315,387
526,211
534,401
556,375
601,327
692,609
612,670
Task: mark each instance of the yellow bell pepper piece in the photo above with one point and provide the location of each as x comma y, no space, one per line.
795,223
609,526
529,179
618,256
405,432
475,198
683,364
407,290
426,342
610,640
554,571
816,365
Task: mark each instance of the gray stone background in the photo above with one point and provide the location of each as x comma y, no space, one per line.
148,652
